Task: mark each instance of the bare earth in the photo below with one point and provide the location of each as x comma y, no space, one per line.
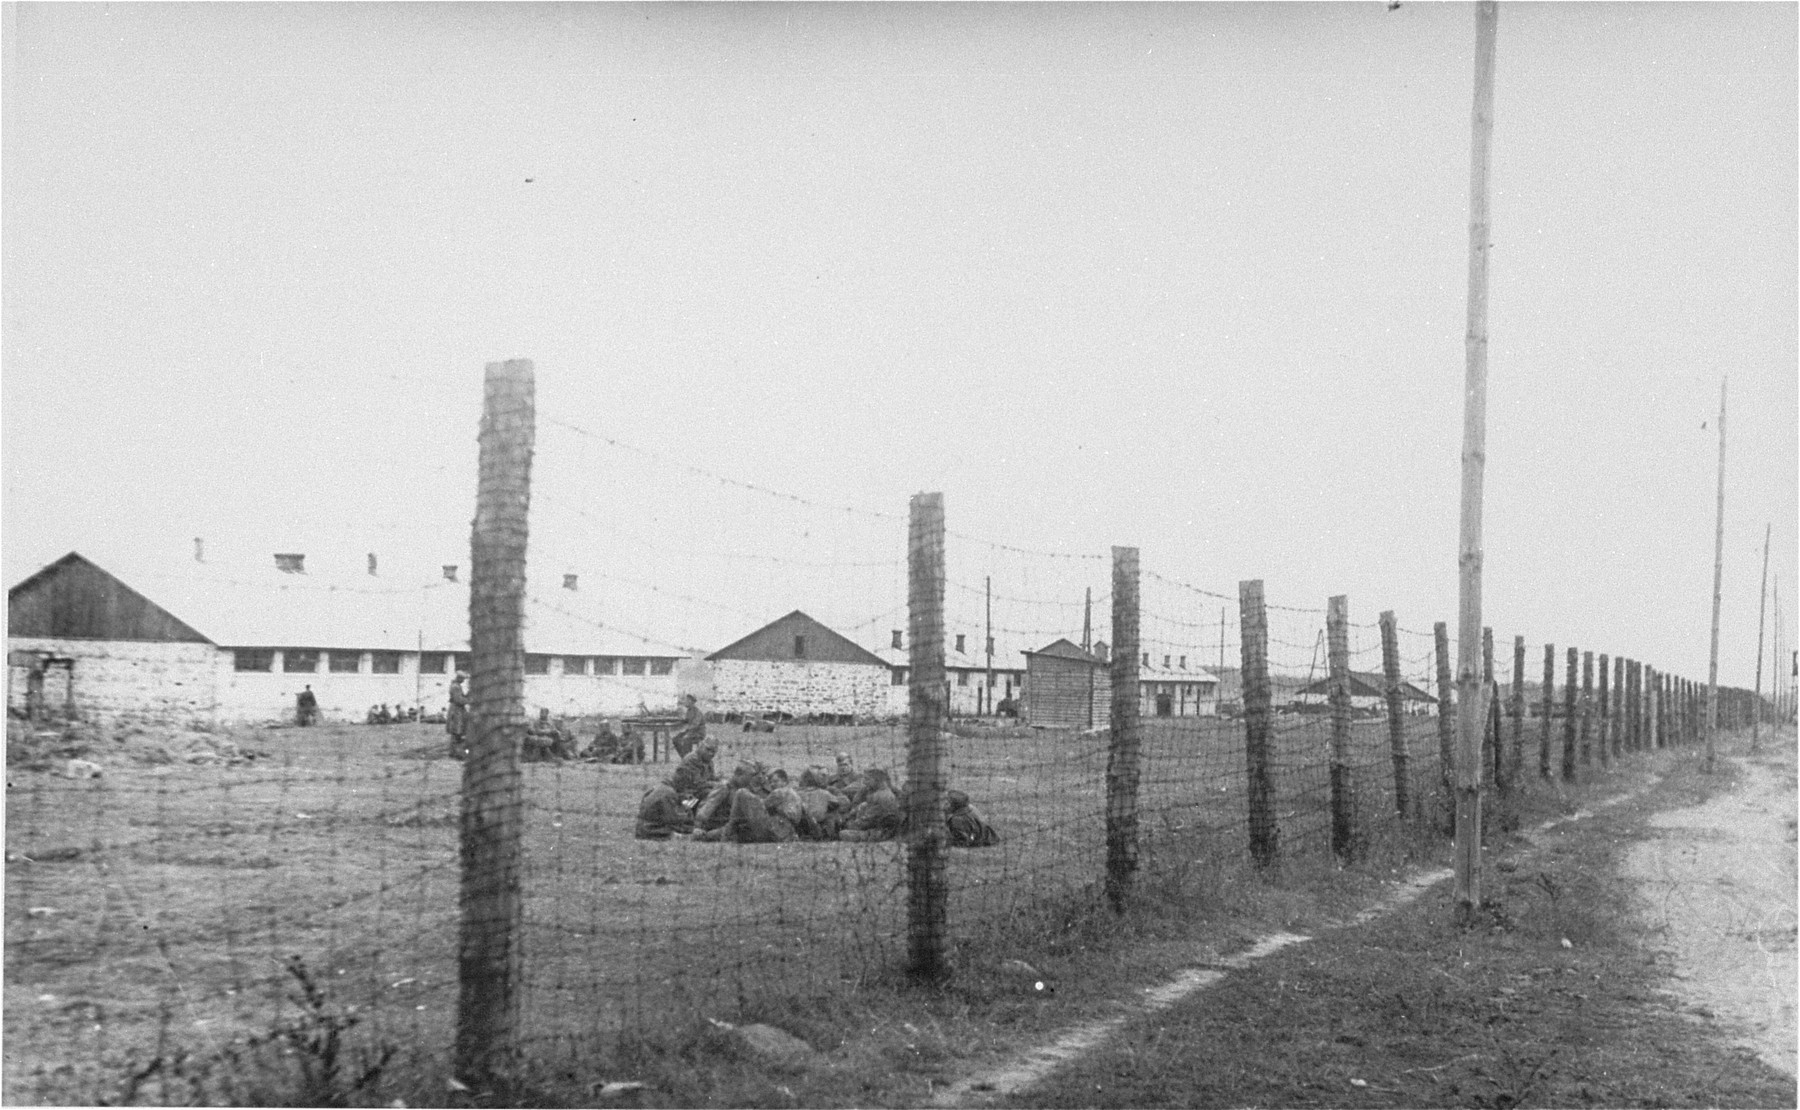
1720,883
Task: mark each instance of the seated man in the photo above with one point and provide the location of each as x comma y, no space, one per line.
824,810
846,780
545,742
661,814
383,716
374,717
878,816
757,820
967,829
715,810
693,777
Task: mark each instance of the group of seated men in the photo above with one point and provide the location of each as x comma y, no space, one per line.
761,805
398,715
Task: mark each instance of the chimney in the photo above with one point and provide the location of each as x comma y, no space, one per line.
1165,662
568,581
199,550
899,639
450,571
290,564
959,643
1184,662
1146,659
371,564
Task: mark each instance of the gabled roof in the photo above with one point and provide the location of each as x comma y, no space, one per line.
773,642
1364,684
239,605
1063,649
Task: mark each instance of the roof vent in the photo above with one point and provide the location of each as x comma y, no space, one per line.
199,550
371,564
959,643
899,639
450,572
290,564
568,581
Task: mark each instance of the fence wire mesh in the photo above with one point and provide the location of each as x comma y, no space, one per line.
152,910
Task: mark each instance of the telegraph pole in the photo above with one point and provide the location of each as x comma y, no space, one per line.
1762,598
1712,673
1471,708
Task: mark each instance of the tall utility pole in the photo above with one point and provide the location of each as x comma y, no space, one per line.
1761,600
1087,621
1471,708
1712,672
1221,641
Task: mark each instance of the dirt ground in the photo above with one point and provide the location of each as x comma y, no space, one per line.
1719,886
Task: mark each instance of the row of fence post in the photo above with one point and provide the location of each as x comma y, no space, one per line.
1638,709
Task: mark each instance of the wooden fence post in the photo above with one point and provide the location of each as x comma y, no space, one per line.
1337,656
927,878
1619,706
489,959
1265,835
1569,689
1446,729
1605,710
1122,753
1516,764
1587,708
1548,713
1492,749
1396,707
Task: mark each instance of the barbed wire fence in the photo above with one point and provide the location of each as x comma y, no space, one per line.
1118,728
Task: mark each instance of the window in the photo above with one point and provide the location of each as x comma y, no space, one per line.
537,664
574,664
962,678
799,647
300,659
633,665
662,666
434,662
345,662
606,664
899,676
384,662
253,659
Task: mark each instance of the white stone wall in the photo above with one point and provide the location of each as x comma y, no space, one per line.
256,697
124,680
802,688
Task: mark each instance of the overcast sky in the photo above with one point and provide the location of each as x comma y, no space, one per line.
1190,278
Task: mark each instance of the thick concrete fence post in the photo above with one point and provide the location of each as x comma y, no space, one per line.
1587,708
1122,751
1605,713
927,877
1265,834
489,960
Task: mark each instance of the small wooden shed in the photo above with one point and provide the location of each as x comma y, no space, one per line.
1066,687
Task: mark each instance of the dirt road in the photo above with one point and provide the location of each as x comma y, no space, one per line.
1720,883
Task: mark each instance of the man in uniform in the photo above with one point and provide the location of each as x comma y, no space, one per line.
693,726
306,707
456,721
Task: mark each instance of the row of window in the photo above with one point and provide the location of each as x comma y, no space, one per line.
306,661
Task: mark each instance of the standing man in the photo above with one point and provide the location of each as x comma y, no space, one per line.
693,726
306,707
456,721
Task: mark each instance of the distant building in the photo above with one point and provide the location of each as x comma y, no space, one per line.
191,641
1368,694
798,667
1168,687
1066,687
973,690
